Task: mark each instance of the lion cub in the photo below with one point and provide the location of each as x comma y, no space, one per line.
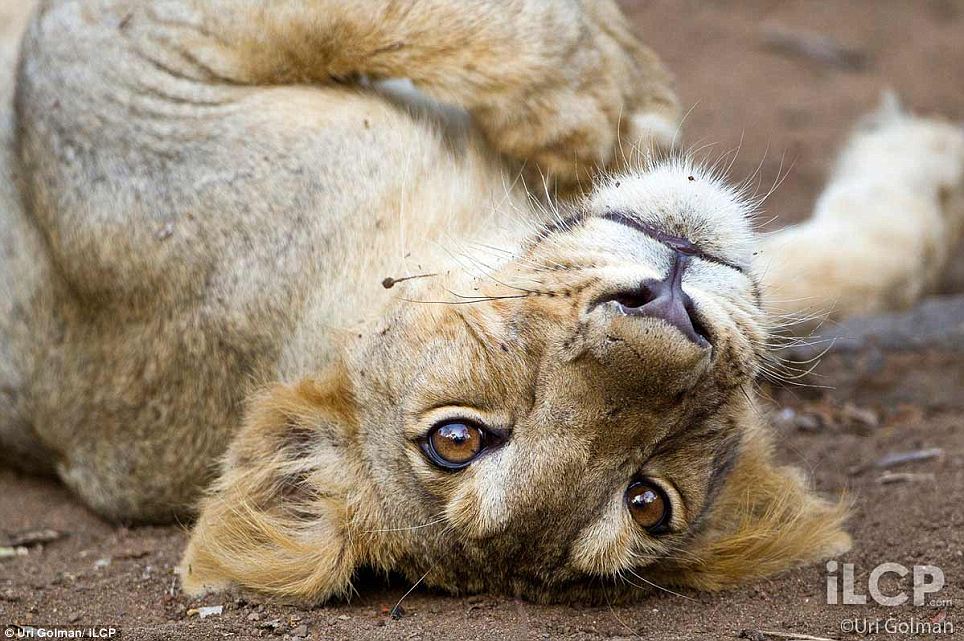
219,239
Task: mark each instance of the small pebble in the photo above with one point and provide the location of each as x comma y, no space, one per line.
275,625
859,416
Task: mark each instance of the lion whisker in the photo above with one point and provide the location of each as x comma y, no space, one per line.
407,528
655,585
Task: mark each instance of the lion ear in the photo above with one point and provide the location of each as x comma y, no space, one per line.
277,519
766,519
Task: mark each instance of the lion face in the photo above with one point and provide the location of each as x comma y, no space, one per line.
577,424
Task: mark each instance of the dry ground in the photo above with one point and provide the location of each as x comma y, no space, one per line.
786,108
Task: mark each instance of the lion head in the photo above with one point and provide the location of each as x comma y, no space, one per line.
579,423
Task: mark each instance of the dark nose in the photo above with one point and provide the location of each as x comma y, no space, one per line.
665,299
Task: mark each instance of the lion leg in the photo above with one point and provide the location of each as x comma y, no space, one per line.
561,84
882,230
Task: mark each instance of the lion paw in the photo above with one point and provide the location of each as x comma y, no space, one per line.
606,98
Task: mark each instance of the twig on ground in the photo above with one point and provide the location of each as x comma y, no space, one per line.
764,635
913,456
34,537
905,477
814,46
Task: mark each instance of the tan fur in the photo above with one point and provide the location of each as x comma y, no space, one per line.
767,518
253,525
215,206
883,229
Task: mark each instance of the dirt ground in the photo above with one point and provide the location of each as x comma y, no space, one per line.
897,389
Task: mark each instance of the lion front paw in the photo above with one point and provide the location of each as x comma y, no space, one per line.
606,98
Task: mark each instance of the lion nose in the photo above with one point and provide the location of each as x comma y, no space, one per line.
665,299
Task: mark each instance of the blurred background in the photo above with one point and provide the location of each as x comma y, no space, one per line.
791,77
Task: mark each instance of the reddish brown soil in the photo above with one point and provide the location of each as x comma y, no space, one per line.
787,110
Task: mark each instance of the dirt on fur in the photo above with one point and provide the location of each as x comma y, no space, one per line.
781,82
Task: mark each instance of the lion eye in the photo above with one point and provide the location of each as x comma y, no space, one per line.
648,505
453,445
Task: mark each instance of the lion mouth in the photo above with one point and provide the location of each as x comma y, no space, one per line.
679,245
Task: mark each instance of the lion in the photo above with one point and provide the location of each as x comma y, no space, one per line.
491,331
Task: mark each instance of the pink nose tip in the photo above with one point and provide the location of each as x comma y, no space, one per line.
665,299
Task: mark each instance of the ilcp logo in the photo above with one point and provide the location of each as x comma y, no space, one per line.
928,579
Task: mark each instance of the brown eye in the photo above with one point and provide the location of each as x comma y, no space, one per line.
649,505
454,445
